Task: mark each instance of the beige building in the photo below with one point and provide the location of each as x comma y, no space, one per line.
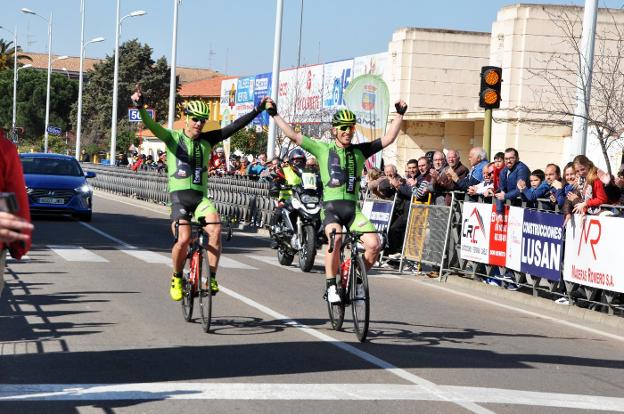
437,72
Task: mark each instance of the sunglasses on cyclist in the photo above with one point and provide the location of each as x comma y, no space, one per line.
198,120
345,128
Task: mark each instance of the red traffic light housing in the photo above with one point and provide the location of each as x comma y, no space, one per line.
489,94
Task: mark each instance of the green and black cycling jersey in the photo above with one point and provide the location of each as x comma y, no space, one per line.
340,168
187,158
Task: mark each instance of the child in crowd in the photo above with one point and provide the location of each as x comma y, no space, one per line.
499,164
538,189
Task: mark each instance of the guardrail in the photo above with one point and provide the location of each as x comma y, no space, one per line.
237,197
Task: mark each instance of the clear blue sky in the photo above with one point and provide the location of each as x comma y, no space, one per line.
240,32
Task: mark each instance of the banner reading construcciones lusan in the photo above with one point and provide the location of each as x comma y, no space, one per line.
368,97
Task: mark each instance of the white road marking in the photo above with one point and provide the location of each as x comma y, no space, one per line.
300,392
273,261
76,254
146,256
158,258
226,262
23,259
373,360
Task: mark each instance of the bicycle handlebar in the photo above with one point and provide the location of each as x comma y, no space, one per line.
354,234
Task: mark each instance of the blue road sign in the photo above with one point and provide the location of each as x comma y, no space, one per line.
52,130
133,114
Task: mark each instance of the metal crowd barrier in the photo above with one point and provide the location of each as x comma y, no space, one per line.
593,298
237,197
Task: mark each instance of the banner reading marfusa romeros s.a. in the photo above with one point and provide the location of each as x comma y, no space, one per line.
593,254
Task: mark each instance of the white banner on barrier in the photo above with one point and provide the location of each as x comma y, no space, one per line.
515,219
475,235
593,252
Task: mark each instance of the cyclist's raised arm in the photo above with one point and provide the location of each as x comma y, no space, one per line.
294,136
218,135
395,126
158,130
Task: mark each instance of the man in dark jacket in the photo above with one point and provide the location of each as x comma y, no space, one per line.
513,171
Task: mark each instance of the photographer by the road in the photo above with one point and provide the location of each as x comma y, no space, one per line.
15,227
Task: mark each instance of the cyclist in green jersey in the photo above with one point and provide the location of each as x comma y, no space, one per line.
340,164
188,154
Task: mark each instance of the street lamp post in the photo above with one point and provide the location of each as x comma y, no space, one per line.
172,77
80,83
47,115
116,79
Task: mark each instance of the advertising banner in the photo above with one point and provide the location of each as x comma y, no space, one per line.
379,212
336,78
371,65
368,97
244,95
542,244
523,240
262,88
286,94
475,234
498,237
228,101
515,218
593,252
309,93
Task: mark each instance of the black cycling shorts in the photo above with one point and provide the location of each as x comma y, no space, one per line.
185,203
347,214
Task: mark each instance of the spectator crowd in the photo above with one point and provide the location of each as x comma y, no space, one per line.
580,187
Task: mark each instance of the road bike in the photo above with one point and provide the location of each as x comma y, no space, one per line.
351,284
196,275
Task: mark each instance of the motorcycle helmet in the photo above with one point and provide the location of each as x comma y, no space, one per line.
297,158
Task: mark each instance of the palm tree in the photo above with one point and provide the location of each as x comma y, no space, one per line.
7,52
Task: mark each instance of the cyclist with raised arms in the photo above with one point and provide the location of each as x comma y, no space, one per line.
188,154
340,164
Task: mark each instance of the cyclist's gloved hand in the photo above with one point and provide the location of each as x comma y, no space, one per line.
137,98
401,107
270,106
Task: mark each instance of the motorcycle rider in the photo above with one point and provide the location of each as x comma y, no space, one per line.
287,176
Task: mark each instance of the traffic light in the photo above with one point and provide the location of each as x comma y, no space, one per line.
489,94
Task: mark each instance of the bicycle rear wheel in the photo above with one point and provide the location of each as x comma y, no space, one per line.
360,301
205,294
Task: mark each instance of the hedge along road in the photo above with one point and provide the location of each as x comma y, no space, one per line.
89,323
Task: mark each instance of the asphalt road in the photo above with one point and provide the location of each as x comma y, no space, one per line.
86,326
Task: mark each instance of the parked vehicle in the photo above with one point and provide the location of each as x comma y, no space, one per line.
56,184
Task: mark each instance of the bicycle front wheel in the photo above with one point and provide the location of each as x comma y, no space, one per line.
360,301
188,299
205,294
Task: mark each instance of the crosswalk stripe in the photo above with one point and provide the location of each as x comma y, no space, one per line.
146,255
303,392
273,261
158,258
76,254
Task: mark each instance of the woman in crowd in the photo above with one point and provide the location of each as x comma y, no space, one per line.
592,193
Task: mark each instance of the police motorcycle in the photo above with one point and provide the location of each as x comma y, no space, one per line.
296,219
